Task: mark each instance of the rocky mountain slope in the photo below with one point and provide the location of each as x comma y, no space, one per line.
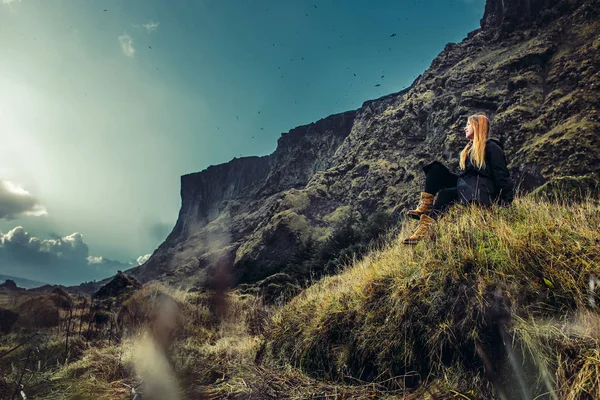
532,68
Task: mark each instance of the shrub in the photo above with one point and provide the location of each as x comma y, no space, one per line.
38,312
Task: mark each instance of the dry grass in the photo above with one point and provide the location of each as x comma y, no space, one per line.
421,322
410,315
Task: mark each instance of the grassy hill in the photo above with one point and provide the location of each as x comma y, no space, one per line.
502,299
502,303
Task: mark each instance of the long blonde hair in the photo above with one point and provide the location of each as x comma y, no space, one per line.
475,149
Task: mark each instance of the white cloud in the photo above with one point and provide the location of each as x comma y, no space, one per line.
99,260
68,247
63,259
9,1
95,259
143,259
15,201
127,45
150,26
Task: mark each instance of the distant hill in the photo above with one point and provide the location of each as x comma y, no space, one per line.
22,282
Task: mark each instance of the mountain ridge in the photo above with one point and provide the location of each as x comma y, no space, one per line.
526,67
22,282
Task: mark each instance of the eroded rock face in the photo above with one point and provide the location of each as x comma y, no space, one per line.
502,17
236,203
532,68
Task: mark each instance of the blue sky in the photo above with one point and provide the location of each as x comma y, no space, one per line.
101,112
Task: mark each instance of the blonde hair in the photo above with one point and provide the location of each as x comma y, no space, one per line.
475,149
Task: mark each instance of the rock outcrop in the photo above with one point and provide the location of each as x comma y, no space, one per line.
532,68
120,285
9,284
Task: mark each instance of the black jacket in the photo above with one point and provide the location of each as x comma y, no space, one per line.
491,184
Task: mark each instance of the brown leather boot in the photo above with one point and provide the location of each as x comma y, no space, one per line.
425,206
422,230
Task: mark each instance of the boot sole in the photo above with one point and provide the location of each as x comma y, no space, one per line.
414,215
417,215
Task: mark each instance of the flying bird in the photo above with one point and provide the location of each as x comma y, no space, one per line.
378,85
104,10
354,74
236,117
392,35
382,76
150,47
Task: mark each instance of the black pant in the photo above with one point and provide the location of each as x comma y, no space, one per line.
441,181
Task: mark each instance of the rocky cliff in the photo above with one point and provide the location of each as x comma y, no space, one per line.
226,205
532,68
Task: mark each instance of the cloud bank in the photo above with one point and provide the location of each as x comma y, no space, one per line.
60,260
16,201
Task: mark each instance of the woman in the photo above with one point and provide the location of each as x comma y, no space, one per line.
484,179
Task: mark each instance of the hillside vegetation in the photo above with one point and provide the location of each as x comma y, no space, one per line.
502,303
503,297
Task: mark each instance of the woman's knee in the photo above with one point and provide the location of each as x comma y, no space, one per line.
448,194
433,166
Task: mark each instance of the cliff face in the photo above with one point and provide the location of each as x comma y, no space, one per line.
203,192
504,17
225,204
532,68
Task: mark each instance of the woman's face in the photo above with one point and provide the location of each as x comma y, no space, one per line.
469,131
